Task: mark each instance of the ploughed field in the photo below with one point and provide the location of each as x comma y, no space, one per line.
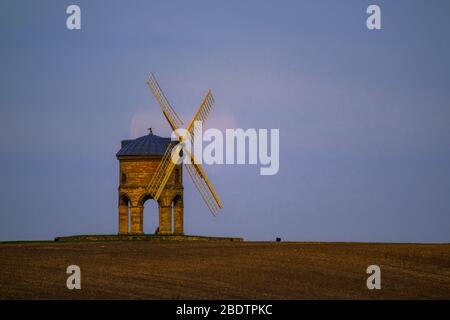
223,270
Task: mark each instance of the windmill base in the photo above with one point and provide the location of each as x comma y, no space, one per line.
143,237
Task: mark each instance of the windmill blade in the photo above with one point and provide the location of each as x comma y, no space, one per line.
202,113
204,109
162,174
203,176
195,170
205,188
170,114
166,166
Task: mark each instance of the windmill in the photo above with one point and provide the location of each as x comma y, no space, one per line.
167,163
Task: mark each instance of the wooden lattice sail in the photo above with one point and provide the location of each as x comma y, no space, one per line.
167,164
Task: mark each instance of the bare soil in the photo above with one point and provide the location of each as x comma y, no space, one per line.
220,270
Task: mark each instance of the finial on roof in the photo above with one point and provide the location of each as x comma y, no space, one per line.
150,131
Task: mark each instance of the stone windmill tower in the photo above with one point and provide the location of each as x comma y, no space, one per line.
139,160
149,169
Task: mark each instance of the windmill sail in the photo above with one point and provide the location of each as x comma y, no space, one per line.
202,114
170,114
167,165
162,174
205,188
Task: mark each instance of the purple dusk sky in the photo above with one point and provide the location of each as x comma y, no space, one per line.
364,116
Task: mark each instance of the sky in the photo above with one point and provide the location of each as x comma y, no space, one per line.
364,115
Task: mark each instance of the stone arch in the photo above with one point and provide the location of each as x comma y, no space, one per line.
154,212
177,196
177,211
124,213
123,197
144,197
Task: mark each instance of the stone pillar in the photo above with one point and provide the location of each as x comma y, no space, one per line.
137,225
123,218
178,217
165,219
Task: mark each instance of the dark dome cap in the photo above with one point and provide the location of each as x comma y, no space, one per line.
149,145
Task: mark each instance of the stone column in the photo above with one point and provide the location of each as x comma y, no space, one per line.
137,226
123,218
165,219
178,217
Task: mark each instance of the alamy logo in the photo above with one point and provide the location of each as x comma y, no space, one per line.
74,280
373,22
73,21
238,146
374,280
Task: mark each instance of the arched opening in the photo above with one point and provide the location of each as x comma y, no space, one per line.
177,214
124,214
150,215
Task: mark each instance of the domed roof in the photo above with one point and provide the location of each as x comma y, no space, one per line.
149,145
